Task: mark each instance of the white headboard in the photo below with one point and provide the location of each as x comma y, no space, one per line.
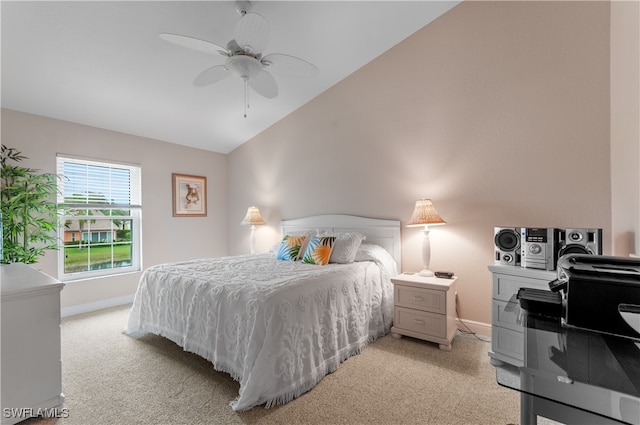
385,233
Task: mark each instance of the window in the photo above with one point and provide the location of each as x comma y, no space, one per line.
100,218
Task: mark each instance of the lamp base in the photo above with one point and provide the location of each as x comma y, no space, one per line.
252,241
426,273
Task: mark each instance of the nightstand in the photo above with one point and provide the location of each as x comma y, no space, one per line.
425,308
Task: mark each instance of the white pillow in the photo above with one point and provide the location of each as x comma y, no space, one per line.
379,255
345,246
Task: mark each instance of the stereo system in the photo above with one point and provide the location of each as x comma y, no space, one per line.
540,248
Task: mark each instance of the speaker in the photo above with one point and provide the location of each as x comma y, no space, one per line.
507,245
579,241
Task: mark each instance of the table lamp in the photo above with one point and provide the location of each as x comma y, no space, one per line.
254,219
424,214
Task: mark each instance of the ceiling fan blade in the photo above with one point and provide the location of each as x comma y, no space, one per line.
211,75
289,66
252,33
264,84
194,43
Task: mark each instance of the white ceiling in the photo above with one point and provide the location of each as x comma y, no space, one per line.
101,63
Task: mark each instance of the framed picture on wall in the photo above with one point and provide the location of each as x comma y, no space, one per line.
189,195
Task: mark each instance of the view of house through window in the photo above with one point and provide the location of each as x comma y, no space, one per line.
100,208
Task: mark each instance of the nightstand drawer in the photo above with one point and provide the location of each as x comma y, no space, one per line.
421,321
420,298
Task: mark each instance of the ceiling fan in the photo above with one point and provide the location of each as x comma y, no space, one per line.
244,56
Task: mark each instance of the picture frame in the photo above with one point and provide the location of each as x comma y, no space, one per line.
189,195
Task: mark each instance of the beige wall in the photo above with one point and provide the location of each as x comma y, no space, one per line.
497,111
625,126
165,238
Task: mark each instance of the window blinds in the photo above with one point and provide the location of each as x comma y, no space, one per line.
99,184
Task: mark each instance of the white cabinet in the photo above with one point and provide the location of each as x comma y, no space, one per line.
31,369
424,308
507,338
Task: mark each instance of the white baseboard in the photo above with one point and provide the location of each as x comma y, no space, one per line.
479,328
95,306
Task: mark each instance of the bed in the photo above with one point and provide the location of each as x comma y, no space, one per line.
277,327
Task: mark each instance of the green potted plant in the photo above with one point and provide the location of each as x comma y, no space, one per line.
29,210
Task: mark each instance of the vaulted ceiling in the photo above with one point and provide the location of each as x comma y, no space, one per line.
101,63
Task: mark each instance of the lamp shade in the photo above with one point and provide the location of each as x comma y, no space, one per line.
424,213
253,217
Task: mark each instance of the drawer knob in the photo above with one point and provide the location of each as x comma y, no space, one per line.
419,321
418,298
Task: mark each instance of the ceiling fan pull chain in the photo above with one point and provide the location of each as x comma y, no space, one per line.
246,90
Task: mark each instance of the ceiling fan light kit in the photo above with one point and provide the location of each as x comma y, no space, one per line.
245,67
244,56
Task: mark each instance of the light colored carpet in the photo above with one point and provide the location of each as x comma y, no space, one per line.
111,378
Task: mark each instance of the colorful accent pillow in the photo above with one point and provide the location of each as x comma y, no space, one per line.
290,247
319,250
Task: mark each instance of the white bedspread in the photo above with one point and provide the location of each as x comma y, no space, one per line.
277,327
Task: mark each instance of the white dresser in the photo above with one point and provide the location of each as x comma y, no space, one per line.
425,308
31,369
507,337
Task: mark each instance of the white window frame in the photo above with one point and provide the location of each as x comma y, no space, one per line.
135,215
